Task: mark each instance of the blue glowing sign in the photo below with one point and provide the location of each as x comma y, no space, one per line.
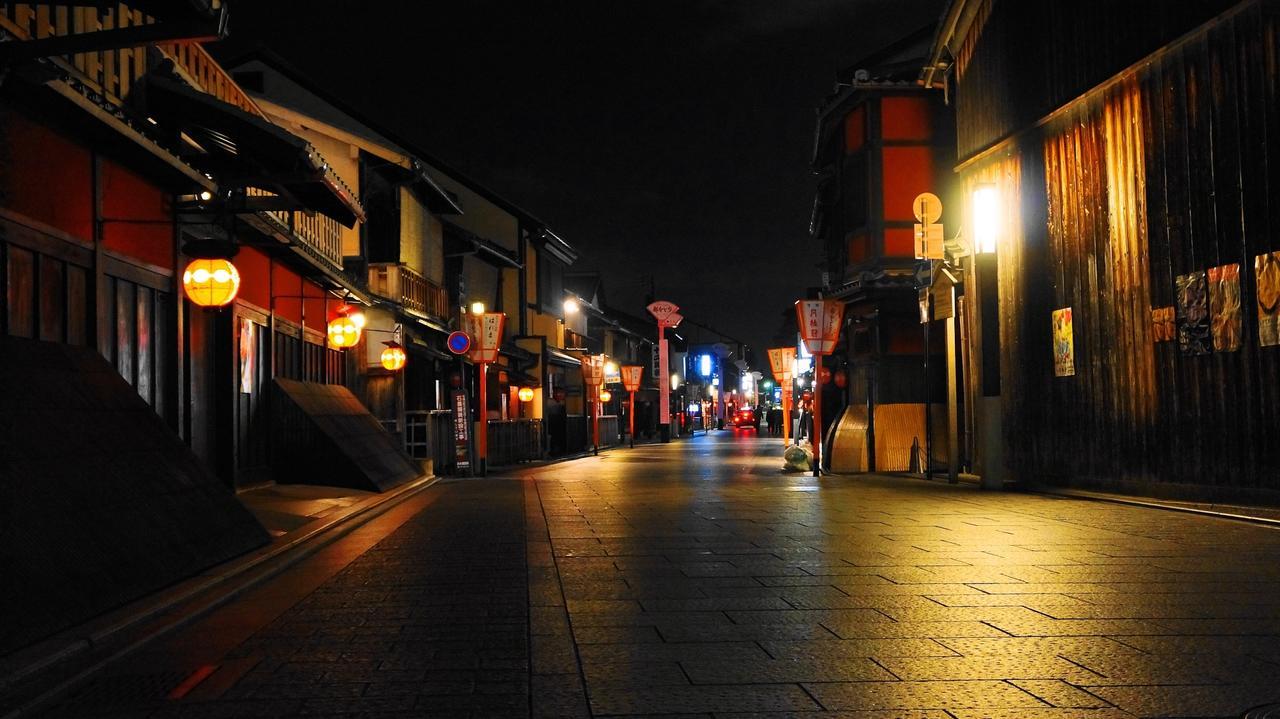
704,365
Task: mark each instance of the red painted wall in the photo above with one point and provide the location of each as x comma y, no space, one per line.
45,176
905,118
908,171
132,209
287,285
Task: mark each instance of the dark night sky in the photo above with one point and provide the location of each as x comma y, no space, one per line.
659,138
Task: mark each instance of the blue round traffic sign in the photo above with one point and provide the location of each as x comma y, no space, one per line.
459,342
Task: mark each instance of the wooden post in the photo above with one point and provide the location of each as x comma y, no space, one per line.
631,418
482,437
816,432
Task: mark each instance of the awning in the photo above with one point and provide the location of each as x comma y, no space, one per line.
556,356
243,150
458,240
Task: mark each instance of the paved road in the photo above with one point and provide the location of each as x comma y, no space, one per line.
694,579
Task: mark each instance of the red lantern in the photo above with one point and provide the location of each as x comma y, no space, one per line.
842,379
824,376
559,394
806,396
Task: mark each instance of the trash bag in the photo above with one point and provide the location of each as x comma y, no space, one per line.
797,458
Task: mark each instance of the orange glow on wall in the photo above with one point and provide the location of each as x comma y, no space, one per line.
907,172
855,129
905,118
139,216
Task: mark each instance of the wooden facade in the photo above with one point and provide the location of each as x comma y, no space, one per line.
1124,164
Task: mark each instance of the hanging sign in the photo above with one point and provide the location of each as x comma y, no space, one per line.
461,430
672,321
459,343
783,363
664,381
819,322
612,374
486,335
1224,307
631,375
928,208
593,370
1266,268
661,310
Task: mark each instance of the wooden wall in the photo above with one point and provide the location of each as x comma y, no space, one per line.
1164,171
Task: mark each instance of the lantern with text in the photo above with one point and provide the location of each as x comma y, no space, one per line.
782,361
393,357
819,322
668,316
593,376
631,375
485,330
211,282
344,330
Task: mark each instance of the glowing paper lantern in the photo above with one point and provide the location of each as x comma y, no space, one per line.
525,394
211,282
393,357
344,332
605,395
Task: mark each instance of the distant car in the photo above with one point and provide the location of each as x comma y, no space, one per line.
745,417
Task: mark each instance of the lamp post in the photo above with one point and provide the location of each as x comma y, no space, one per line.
782,361
819,322
631,375
593,375
988,215
485,329
667,315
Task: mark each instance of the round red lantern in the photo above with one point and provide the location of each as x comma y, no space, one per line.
824,376
393,357
842,379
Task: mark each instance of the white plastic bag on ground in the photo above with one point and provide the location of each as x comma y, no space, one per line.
797,458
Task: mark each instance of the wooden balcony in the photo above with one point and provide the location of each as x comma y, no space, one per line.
319,235
411,290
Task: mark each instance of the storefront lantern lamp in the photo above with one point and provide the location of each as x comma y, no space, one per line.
393,357
344,332
525,394
477,308
605,395
211,282
986,218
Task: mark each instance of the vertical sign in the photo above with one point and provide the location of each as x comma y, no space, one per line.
819,322
248,354
664,401
1064,344
666,315
461,430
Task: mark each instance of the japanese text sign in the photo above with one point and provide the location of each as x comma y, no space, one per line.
819,322
783,363
593,370
661,310
486,335
631,375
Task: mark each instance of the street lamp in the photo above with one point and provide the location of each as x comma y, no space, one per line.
477,308
344,330
570,306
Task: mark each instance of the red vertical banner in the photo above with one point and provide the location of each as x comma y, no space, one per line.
664,371
667,315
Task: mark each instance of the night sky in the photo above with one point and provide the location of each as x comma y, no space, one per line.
662,139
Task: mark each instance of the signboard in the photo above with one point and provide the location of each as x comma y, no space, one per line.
248,354
819,322
461,430
612,375
593,370
664,401
661,310
672,321
631,375
459,342
783,363
1064,344
927,208
486,335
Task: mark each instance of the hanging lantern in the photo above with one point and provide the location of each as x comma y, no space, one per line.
211,282
560,394
343,330
393,356
824,376
842,379
525,394
605,395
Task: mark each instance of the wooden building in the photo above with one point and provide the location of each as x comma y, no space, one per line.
1127,154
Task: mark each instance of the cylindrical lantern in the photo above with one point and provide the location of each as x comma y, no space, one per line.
842,379
393,356
605,395
211,282
525,394
343,330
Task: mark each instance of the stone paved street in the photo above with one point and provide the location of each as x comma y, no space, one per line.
695,579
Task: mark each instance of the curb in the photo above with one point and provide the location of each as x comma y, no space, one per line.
289,549
1153,504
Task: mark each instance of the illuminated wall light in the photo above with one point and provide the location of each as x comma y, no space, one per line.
525,394
986,218
393,357
343,330
675,381
211,282
477,308
605,395
570,306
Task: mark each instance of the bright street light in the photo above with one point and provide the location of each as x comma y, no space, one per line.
477,308
986,218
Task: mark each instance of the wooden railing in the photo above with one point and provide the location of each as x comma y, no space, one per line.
413,291
514,440
320,233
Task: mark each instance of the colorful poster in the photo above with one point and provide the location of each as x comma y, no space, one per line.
1193,314
1224,307
1064,344
1163,328
1266,269
248,354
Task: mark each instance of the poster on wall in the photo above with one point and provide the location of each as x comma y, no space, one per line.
248,354
1163,328
1193,314
1267,271
1224,307
1064,344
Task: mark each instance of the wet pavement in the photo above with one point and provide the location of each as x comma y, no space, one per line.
695,579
